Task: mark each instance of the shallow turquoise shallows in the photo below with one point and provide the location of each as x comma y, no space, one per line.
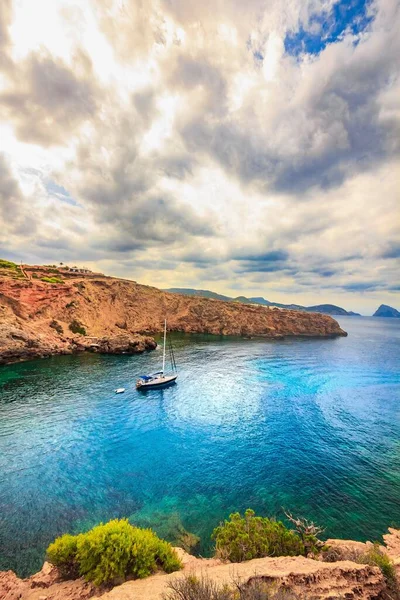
309,425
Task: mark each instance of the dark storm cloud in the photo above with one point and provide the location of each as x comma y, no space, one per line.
272,256
363,286
200,257
261,267
325,272
9,189
138,216
119,186
271,261
392,250
57,242
162,219
14,218
46,101
190,73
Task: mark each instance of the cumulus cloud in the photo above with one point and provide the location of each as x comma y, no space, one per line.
5,20
186,144
46,101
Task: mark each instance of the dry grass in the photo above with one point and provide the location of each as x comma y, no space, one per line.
194,588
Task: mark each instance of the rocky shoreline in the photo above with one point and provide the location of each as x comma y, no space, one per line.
30,349
334,576
102,314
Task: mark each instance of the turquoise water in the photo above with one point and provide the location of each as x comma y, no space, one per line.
309,425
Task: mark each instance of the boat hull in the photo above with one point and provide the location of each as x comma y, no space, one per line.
160,382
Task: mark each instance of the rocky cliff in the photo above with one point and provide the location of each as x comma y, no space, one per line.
344,576
103,314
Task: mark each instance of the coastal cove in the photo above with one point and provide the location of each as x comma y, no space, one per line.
311,425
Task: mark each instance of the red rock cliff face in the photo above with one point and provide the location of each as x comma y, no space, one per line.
107,307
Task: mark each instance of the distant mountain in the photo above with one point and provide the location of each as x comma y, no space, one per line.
202,293
260,300
245,300
328,309
386,311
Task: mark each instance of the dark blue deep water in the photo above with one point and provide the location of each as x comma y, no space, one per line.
309,425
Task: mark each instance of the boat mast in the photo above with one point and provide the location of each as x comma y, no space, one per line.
164,348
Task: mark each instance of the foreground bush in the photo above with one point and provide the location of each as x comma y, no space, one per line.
192,588
244,538
377,558
62,552
112,551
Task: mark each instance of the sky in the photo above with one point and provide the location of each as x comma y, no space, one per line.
250,148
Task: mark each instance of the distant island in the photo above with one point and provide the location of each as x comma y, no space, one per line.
386,311
328,309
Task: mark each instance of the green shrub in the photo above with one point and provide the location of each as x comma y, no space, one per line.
7,264
376,557
244,538
55,325
113,551
77,327
12,269
62,553
106,552
52,279
166,557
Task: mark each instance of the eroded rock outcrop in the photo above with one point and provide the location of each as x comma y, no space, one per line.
45,585
305,577
392,543
118,344
92,313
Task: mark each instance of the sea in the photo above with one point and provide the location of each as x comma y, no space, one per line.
310,426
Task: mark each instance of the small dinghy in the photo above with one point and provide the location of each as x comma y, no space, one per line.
119,390
159,379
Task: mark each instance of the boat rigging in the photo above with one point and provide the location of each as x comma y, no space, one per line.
160,379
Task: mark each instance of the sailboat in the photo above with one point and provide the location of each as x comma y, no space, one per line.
159,379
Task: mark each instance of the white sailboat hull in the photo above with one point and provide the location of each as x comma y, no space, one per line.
156,382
